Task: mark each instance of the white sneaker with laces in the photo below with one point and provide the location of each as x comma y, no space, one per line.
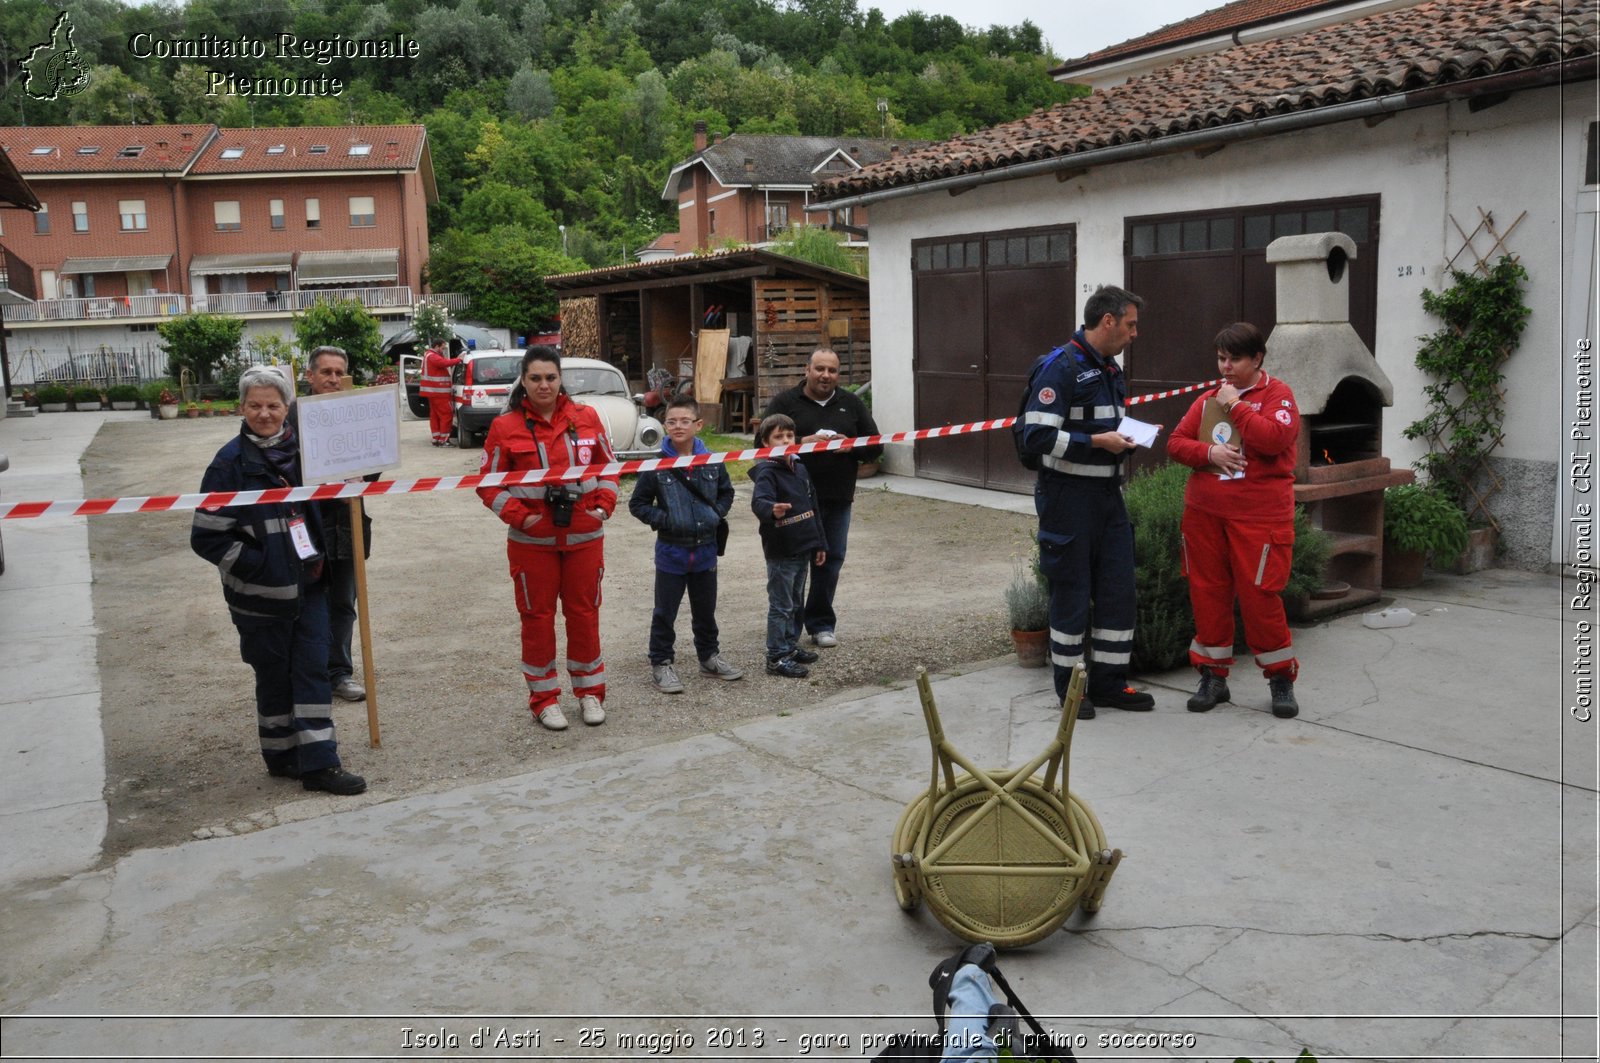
665,679
552,718
826,639
594,713
347,689
717,668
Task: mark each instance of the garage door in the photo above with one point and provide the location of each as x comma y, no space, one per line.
1199,272
986,305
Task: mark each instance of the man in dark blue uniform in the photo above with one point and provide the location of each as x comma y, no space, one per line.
1075,402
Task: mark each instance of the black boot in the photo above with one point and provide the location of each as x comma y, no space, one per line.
1284,706
1213,691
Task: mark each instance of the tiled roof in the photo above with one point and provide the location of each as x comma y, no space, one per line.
1435,43
284,150
768,159
696,265
1218,20
116,148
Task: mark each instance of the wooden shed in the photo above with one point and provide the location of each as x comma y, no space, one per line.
743,321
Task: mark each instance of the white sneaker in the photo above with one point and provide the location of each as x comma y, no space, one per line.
552,718
594,713
347,689
826,639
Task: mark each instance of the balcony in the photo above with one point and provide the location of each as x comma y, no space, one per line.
96,309
295,300
170,304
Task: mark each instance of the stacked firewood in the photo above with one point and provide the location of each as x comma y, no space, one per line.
580,327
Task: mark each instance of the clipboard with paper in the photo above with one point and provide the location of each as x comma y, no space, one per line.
1218,429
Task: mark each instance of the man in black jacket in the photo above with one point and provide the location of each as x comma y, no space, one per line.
821,410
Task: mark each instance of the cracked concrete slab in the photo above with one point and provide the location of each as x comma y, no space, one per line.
1400,871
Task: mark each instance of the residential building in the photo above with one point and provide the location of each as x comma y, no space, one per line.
138,223
1433,134
749,189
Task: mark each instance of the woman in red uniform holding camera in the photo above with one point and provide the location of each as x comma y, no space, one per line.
1238,521
555,532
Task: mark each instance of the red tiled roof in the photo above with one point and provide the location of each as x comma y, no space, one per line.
1217,21
389,147
164,148
1438,42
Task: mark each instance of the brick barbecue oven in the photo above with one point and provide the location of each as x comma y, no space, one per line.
1341,471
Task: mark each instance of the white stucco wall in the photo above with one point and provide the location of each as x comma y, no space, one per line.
1427,165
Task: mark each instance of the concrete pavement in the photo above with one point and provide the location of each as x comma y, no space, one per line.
1405,870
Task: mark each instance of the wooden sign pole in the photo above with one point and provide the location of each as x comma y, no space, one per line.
358,544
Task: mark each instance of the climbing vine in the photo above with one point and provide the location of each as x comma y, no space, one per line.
1484,316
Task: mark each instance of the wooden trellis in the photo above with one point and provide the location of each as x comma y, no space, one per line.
1481,263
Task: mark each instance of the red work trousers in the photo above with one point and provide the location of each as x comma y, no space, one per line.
441,417
1228,559
539,576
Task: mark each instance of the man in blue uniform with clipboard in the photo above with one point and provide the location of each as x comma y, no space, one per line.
1075,402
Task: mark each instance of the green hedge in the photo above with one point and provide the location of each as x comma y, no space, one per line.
1164,623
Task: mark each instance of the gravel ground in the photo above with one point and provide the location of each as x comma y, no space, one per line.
922,586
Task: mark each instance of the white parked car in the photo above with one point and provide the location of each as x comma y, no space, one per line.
484,379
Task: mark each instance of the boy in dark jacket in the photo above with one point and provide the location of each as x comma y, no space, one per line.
684,506
792,540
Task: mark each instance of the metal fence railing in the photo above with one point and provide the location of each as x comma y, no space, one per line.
172,304
103,365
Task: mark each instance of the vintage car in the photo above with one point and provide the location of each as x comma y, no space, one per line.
484,379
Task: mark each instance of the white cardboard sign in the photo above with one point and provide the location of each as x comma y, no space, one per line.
349,434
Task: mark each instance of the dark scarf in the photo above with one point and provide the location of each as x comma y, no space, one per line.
282,452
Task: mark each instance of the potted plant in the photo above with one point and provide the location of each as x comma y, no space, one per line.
1484,315
30,397
1028,609
123,396
191,409
167,403
206,409
52,398
1418,522
86,397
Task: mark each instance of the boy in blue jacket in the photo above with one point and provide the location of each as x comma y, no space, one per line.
684,506
792,540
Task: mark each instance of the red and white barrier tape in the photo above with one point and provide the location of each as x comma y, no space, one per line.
91,507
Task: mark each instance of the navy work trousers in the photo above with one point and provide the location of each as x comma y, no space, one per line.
1086,552
294,700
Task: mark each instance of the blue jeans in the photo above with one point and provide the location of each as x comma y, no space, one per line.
294,701
702,588
786,592
341,617
819,603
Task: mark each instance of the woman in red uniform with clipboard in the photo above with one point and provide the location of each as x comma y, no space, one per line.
1238,519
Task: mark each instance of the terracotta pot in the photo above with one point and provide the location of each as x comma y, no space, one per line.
193,411
1402,568
1033,647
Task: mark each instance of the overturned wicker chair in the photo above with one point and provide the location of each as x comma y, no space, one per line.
1001,856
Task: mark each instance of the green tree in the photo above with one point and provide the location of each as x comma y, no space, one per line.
431,321
341,323
198,341
529,95
493,204
810,243
501,273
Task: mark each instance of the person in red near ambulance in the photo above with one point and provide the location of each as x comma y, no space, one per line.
555,532
1238,520
435,387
